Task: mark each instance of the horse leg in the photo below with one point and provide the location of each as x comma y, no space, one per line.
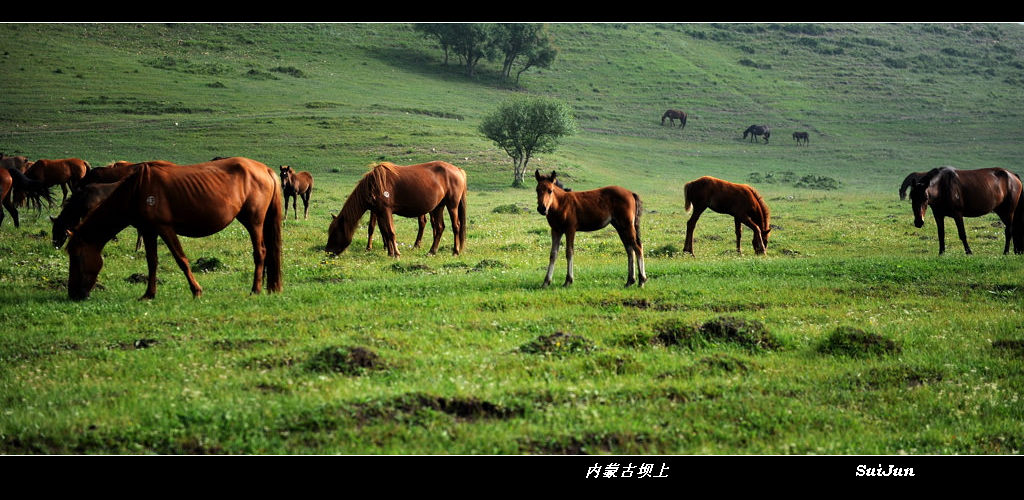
758,240
628,239
12,208
1007,218
961,232
369,230
556,241
570,250
305,204
387,232
940,227
286,205
149,239
437,224
456,227
422,221
739,234
171,240
295,206
690,225
259,251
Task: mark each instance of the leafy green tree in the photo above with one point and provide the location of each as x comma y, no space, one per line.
527,44
442,32
525,126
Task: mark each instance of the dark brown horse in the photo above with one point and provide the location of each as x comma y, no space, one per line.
193,200
801,137
758,130
66,172
955,193
409,191
13,181
672,115
740,201
296,185
571,211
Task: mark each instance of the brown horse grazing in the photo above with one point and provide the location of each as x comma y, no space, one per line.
67,172
738,200
966,193
801,137
673,114
193,200
296,185
13,181
571,211
409,191
422,220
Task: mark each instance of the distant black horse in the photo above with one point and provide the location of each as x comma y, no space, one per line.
756,130
673,114
801,136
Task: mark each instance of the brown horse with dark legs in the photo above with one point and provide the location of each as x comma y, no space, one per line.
738,200
966,193
674,114
13,181
296,185
66,172
91,190
568,212
195,201
409,191
422,220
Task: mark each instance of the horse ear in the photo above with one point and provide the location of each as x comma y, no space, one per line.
536,174
553,174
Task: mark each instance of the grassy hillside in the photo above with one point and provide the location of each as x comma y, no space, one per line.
466,360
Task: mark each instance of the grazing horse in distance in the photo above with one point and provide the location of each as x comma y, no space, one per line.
672,115
741,201
296,185
568,212
955,193
194,201
13,181
801,137
409,191
756,130
66,172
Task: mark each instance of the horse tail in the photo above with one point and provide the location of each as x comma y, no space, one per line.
462,222
33,190
272,240
636,217
686,196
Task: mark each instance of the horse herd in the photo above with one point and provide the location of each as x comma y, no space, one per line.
754,131
165,200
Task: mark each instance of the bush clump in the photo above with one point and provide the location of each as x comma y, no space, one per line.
751,334
558,343
511,208
346,360
854,342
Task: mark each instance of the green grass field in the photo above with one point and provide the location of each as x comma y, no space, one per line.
852,336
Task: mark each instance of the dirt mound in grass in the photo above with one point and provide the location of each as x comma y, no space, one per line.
751,334
346,360
558,343
854,342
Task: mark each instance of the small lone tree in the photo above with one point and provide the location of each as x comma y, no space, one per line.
524,126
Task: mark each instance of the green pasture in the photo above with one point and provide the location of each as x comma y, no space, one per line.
851,336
